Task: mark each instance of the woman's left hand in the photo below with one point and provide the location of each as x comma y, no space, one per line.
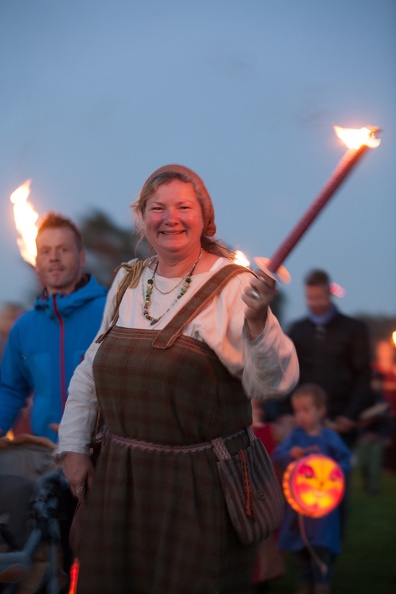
257,296
79,471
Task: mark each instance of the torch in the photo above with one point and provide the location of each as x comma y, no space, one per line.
358,142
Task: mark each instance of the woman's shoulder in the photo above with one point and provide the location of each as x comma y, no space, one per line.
126,275
236,282
221,262
132,268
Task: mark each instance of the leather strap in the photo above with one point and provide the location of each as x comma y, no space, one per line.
213,286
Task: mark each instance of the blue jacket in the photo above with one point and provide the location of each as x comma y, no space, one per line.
324,532
44,348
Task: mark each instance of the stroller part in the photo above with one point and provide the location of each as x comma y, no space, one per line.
38,560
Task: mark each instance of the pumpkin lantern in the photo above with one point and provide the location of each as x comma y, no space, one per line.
313,485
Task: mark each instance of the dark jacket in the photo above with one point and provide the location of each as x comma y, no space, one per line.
336,356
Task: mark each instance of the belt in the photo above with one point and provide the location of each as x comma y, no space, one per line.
148,446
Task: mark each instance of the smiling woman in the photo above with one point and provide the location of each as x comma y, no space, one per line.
187,339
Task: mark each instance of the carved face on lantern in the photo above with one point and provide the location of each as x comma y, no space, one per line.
314,485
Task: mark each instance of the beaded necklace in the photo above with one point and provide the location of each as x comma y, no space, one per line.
150,284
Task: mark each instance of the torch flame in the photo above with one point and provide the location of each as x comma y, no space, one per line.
25,221
354,139
394,337
240,258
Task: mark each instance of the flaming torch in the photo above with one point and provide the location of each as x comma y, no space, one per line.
25,221
357,141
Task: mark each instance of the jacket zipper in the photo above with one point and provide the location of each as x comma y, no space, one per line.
62,373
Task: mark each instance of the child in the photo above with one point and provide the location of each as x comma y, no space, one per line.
315,552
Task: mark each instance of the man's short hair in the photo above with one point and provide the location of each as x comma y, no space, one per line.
317,278
318,395
54,220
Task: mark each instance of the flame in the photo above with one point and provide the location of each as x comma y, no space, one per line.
394,337
337,290
241,259
25,221
354,139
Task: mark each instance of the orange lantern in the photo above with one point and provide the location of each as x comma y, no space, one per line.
314,485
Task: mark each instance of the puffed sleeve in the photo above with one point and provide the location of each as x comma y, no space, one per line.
81,410
267,366
271,366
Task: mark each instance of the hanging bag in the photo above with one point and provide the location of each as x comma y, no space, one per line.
251,489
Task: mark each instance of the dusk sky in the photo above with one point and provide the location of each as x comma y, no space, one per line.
97,94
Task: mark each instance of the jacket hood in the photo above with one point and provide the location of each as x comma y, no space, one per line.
67,303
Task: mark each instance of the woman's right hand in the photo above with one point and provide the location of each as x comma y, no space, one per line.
79,471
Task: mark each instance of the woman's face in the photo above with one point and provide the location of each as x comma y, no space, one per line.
173,220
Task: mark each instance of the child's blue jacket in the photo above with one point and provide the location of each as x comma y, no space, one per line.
321,532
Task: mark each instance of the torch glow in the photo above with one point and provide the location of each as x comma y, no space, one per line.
354,139
25,221
358,141
241,259
337,290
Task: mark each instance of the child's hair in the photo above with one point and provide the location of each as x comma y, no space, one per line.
317,394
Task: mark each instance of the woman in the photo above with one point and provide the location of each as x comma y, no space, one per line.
174,367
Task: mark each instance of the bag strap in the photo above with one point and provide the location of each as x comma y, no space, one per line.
220,449
213,286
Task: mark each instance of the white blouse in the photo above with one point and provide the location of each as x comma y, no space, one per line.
266,366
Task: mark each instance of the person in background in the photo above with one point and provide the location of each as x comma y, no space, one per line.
187,340
9,313
44,347
374,434
385,364
47,343
333,351
322,539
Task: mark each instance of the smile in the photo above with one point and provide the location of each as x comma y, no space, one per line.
171,232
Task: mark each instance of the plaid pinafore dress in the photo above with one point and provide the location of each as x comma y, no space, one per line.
156,521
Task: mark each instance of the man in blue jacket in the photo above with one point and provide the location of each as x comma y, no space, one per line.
47,343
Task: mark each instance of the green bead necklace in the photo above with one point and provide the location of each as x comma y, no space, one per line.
150,285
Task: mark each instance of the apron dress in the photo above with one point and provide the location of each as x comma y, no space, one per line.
156,520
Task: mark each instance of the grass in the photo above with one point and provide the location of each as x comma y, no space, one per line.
367,564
